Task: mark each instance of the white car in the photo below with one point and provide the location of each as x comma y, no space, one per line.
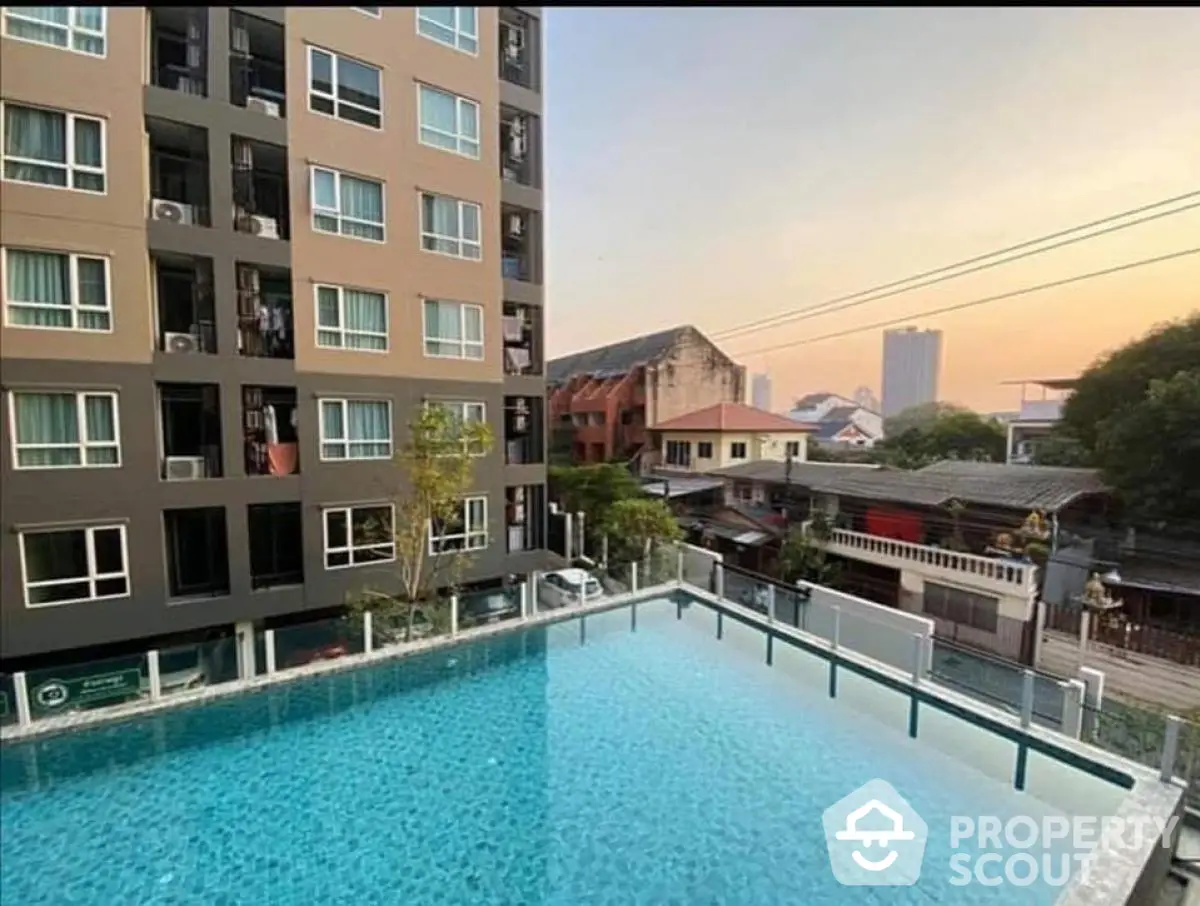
566,587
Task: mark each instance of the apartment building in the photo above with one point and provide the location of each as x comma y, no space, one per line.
240,247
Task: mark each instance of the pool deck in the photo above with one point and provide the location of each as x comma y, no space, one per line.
1130,872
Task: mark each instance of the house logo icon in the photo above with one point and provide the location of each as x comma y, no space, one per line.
875,838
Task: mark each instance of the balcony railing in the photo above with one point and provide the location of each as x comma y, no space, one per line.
1006,576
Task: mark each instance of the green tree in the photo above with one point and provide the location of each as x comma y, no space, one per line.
920,416
802,556
1060,449
592,490
947,433
637,525
435,468
1150,452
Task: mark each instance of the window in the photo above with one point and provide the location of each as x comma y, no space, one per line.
276,544
351,319
77,28
347,205
679,453
467,532
65,430
448,121
376,11
959,606
453,330
52,148
344,88
737,450
464,412
356,429
792,449
454,26
704,450
56,290
355,535
744,492
66,566
450,227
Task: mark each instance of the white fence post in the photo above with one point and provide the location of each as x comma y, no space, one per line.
525,600
604,551
770,603
918,667
454,615
835,634
368,633
1027,691
1170,752
1072,719
155,675
269,645
633,575
21,693
679,564
720,583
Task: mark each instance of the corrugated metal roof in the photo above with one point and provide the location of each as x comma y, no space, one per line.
616,358
986,484
681,486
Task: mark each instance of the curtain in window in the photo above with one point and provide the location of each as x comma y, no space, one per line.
369,429
473,321
439,118
53,32
36,135
365,313
328,318
41,279
325,190
88,153
333,429
93,292
441,216
101,428
362,200
47,418
443,322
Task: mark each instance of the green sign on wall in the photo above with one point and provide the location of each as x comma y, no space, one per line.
56,695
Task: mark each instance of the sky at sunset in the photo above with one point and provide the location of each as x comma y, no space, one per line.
719,166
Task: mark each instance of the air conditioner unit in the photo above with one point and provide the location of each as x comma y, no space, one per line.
183,468
181,342
267,227
172,211
262,105
516,225
517,142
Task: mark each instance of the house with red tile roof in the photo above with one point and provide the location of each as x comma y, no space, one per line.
727,434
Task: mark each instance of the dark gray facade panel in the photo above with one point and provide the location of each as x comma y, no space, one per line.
522,196
524,292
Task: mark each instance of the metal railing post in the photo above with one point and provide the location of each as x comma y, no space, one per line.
21,693
454,615
155,674
368,633
1170,752
679,564
1072,719
720,583
269,645
524,600
633,575
770,603
1027,691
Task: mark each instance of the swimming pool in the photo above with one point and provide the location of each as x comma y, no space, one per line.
549,766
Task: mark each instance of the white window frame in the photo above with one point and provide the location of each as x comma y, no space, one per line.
337,214
70,167
346,442
473,539
76,308
375,12
460,409
463,243
335,66
341,329
81,421
351,548
92,576
458,30
71,29
458,136
463,343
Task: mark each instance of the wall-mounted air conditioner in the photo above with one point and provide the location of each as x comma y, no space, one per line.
262,105
172,211
266,227
516,225
183,468
180,342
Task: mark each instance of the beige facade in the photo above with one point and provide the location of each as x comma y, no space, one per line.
771,447
393,155
110,224
695,376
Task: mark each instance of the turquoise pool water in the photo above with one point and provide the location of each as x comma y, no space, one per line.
660,767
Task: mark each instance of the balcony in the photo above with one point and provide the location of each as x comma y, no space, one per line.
179,49
260,188
518,243
265,313
524,438
190,425
184,302
517,40
525,517
276,545
257,71
522,336
197,552
269,426
1009,578
518,144
179,186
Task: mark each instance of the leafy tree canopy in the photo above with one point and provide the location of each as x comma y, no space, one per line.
592,489
636,524
940,431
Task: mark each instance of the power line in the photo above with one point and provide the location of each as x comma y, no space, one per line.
987,300
786,317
